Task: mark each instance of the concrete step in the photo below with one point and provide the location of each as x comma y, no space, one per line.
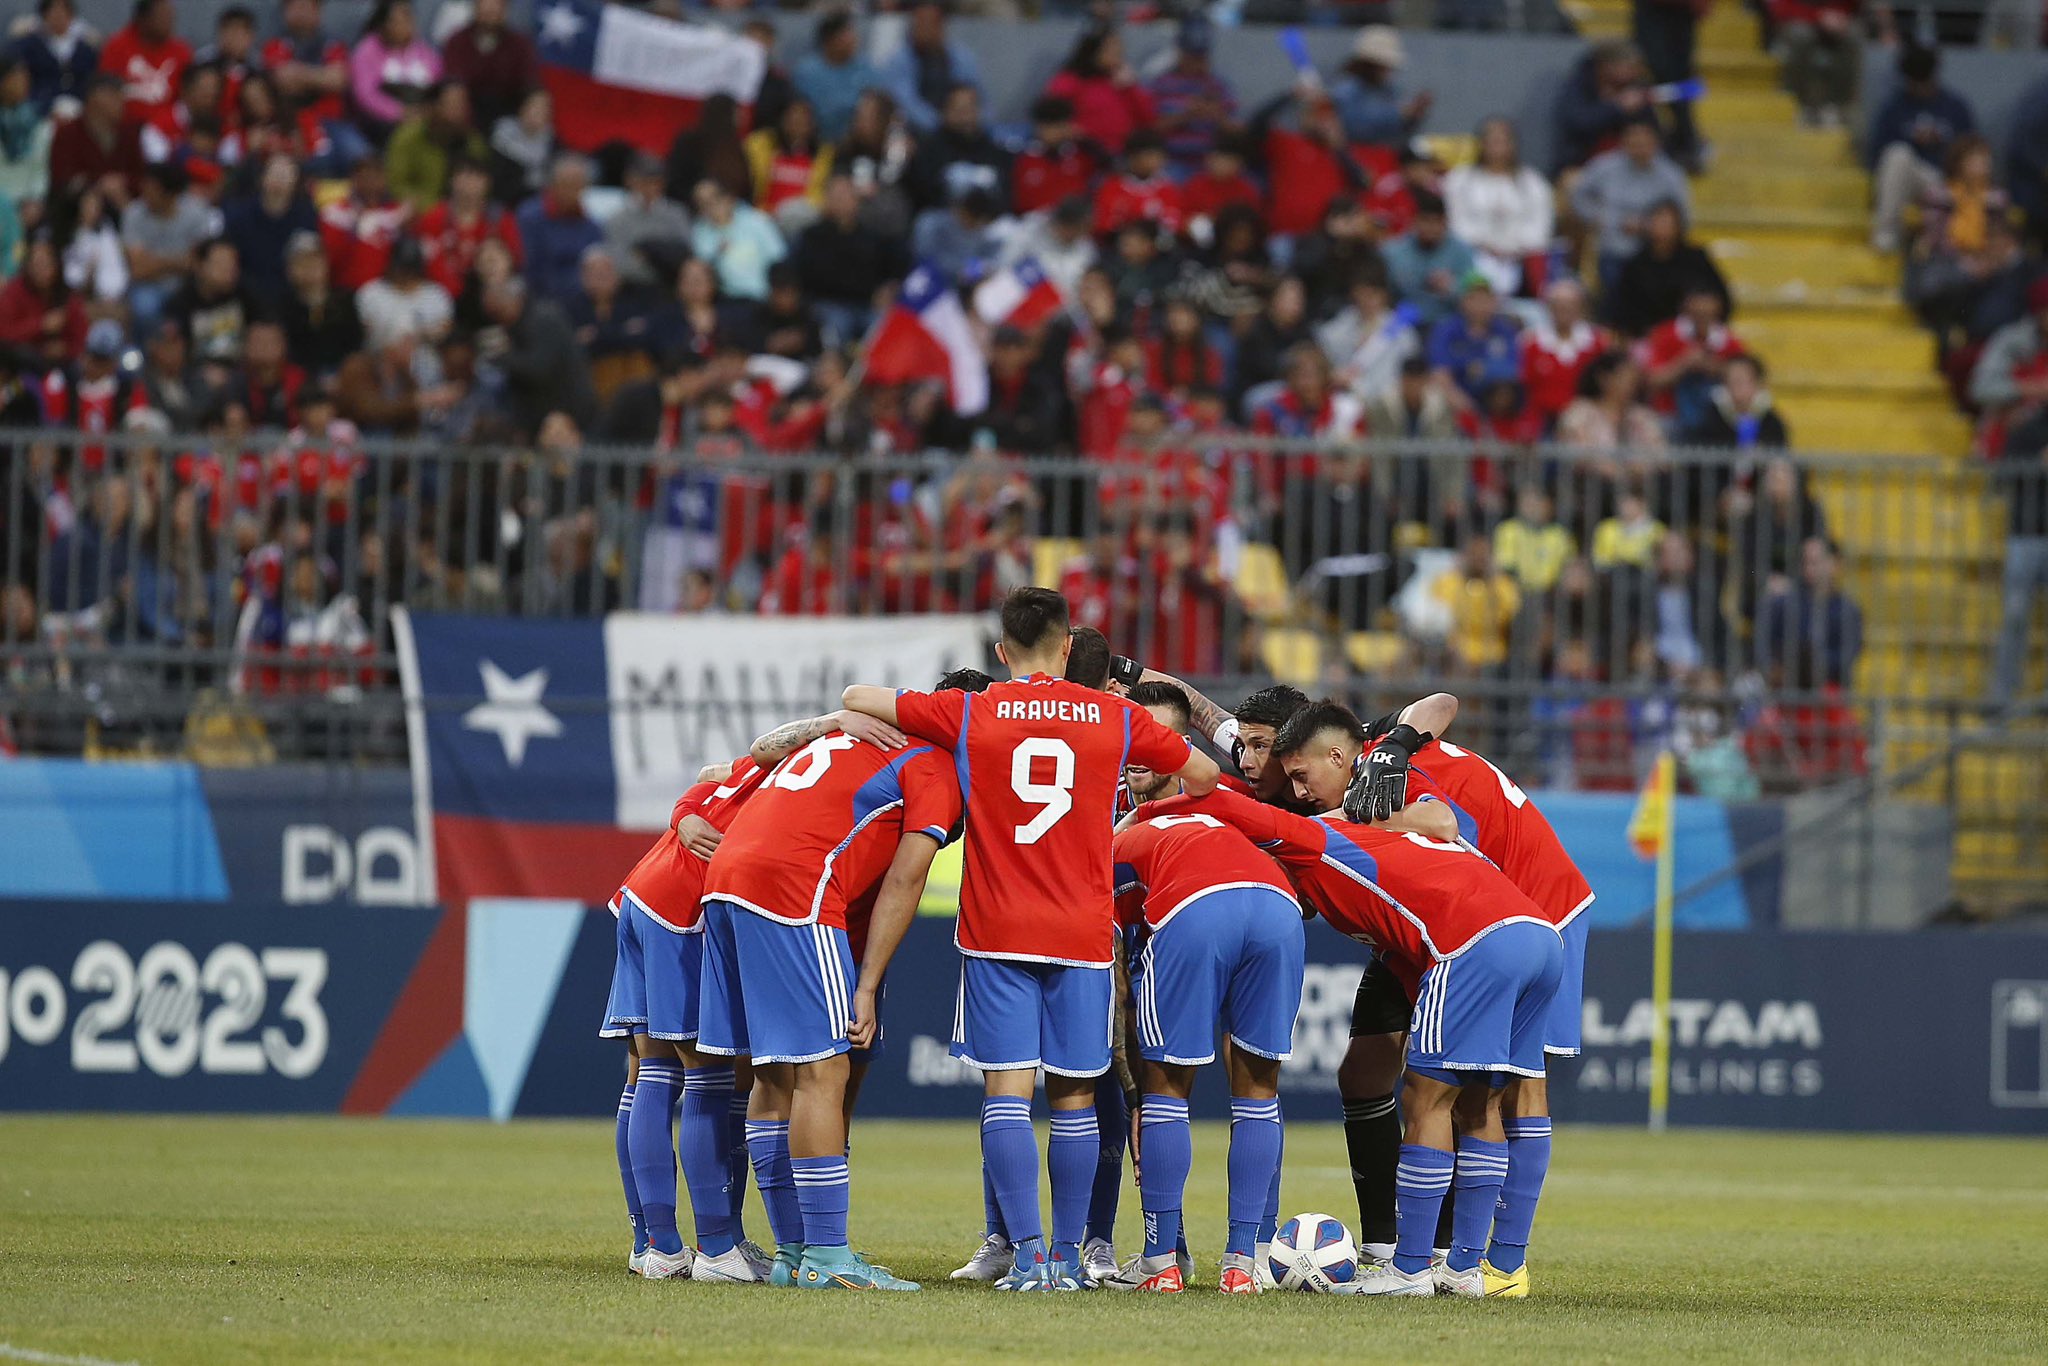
1835,222
1774,260
1882,386
1855,308
1739,66
1795,343
1894,670
1741,143
1853,424
1726,106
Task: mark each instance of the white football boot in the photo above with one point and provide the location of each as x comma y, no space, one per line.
992,1261
657,1265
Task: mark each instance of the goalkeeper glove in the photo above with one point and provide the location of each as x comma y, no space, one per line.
1380,786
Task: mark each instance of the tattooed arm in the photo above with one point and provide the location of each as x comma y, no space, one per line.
785,740
1206,717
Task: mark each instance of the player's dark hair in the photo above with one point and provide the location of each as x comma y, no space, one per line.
1273,706
964,680
1030,615
1157,694
1305,725
1088,658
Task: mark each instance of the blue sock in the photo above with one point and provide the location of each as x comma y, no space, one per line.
1255,1139
991,1211
1482,1166
625,1151
768,1144
1163,1176
652,1144
1269,1221
707,1092
1528,1164
738,1159
1070,1156
1113,1129
1420,1180
823,1188
1009,1154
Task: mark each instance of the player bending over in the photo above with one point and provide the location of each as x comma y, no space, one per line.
1039,760
1484,964
1498,819
785,895
1223,945
654,1004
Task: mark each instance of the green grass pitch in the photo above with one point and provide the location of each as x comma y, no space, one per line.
242,1240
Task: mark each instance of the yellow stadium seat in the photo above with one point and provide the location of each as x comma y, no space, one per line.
1262,580
1375,652
1050,557
1294,656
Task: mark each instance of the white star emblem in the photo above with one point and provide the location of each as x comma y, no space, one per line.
513,712
560,25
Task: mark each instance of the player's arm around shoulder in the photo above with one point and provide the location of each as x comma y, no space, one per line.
785,740
1427,817
895,907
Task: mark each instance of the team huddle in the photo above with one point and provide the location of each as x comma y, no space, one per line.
1123,906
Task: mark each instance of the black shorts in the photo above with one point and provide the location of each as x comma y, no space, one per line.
1381,1006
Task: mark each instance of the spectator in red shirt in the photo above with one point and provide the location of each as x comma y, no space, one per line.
1180,359
1142,192
149,58
1557,350
1056,164
451,232
96,149
1189,596
267,384
38,311
311,72
359,228
1220,184
1308,164
494,60
1101,587
198,105
809,580
1109,103
1684,359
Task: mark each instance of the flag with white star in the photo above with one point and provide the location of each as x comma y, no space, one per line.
619,73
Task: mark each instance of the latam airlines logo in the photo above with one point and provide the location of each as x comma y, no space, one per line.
1726,1048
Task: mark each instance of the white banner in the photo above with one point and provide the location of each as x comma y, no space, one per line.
689,691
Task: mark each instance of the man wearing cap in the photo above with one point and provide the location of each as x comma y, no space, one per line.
1476,347
923,72
1196,106
1368,101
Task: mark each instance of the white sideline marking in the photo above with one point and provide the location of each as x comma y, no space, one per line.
13,1353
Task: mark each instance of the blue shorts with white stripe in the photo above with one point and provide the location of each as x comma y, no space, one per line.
773,991
1488,1009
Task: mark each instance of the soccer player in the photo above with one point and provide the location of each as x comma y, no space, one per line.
1039,760
1483,965
1224,944
654,1004
1496,817
837,825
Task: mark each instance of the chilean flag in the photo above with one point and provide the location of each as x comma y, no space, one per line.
618,74
927,335
1018,295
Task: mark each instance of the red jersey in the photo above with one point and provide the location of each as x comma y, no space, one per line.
1164,863
450,245
150,73
1418,900
826,825
1552,364
1506,827
1125,198
1043,174
668,881
1035,882
1672,341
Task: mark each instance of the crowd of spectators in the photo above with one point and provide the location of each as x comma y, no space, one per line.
252,257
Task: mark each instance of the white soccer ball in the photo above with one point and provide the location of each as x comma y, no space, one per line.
1313,1252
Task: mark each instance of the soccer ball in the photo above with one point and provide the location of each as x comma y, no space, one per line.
1313,1252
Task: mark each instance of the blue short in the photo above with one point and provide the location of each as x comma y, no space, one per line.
773,991
1488,1009
1012,1015
1231,956
1568,1011
654,980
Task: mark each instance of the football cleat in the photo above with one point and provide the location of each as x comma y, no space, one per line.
1466,1285
992,1261
657,1265
1024,1279
1159,1275
1389,1279
844,1270
1185,1260
637,1263
787,1257
757,1257
1098,1259
1068,1274
731,1267
1241,1275
1262,1266
1506,1285
1374,1254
